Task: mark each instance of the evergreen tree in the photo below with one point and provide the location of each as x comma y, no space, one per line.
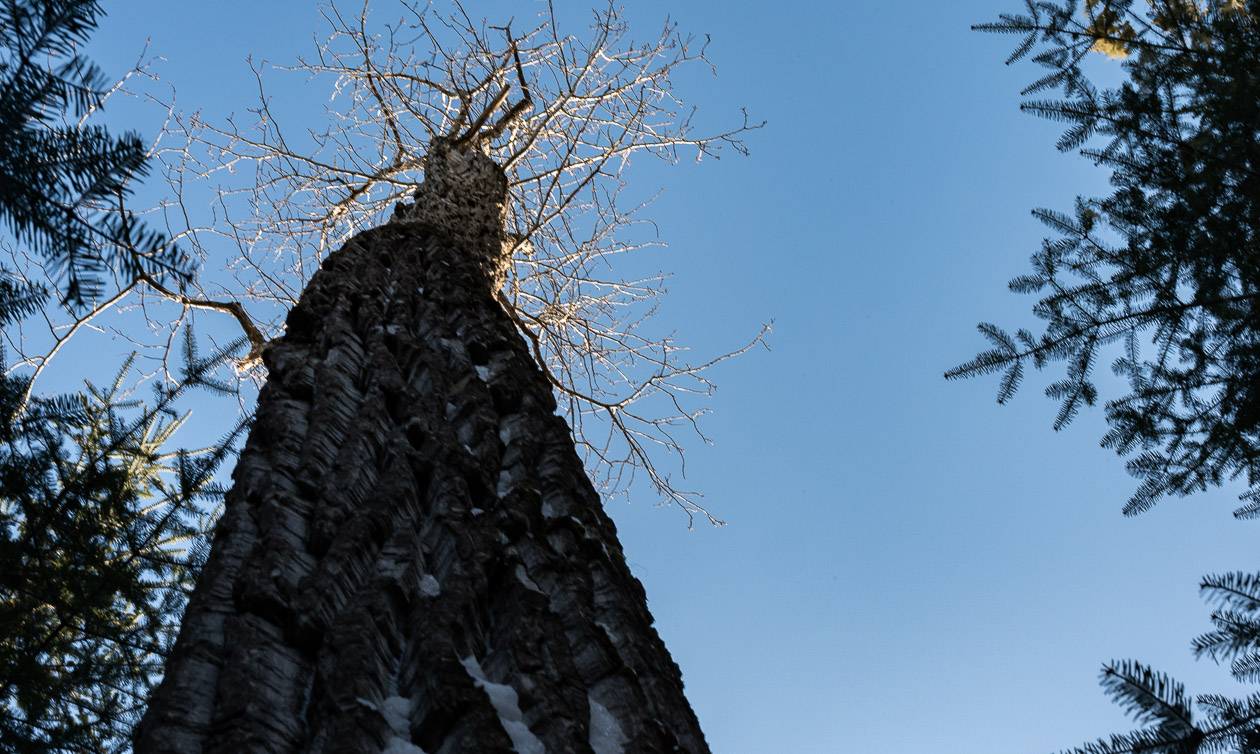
101,533
63,183
1165,271
1161,704
1167,266
99,525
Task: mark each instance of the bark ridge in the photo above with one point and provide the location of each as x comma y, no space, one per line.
412,558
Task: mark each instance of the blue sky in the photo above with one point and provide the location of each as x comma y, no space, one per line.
908,566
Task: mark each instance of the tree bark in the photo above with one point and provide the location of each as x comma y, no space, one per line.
412,558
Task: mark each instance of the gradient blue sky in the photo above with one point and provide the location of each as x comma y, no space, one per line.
908,566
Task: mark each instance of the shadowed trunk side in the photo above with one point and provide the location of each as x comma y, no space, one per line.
412,553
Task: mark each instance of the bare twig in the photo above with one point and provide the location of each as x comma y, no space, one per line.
587,105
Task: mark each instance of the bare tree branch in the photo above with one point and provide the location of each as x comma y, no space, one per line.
587,104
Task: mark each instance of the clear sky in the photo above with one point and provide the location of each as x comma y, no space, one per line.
908,566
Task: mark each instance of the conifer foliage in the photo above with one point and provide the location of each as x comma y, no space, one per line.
1161,705
1164,274
63,182
100,523
102,528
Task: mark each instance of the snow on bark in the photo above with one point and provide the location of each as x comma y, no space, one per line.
367,549
505,701
606,736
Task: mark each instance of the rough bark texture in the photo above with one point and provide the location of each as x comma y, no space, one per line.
412,557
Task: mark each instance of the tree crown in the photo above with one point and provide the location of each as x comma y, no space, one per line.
1163,272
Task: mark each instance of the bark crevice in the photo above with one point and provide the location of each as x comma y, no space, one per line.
409,506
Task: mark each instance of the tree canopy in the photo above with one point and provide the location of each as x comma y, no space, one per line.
102,524
102,529
101,521
63,181
1165,268
1163,275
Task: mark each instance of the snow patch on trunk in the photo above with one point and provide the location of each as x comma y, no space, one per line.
398,746
397,713
504,700
606,735
429,586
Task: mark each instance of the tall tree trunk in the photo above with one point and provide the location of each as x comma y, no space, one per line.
412,557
